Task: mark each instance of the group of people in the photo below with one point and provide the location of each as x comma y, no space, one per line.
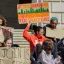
43,49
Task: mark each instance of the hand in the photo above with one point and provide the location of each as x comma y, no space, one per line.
59,60
29,23
54,38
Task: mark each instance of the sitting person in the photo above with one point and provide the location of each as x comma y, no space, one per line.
34,56
61,49
8,43
46,56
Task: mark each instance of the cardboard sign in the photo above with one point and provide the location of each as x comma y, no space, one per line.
36,12
8,28
58,33
7,31
18,55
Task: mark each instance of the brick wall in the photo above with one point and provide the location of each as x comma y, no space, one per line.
56,8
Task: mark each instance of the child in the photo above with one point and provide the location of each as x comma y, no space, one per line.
46,56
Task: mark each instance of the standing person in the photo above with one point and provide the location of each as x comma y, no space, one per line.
3,21
36,38
3,32
52,25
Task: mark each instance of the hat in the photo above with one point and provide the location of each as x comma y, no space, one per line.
54,18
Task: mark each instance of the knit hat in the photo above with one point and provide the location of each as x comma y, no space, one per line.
53,18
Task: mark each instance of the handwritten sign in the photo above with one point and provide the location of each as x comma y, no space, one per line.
58,33
36,12
19,55
7,31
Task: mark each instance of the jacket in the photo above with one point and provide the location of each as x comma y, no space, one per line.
32,39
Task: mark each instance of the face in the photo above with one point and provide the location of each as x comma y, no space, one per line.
9,43
54,24
40,33
48,51
0,22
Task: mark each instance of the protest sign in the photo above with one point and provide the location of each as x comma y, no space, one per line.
35,12
16,55
58,33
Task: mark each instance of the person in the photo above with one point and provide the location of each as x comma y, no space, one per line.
36,38
61,49
46,56
3,32
52,25
8,43
35,54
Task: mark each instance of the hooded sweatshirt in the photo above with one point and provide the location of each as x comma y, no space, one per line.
32,39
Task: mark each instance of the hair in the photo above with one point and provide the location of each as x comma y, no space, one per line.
15,45
48,45
37,28
6,39
39,46
52,19
4,21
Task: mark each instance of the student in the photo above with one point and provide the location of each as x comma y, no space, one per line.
3,32
8,43
61,49
52,25
36,38
35,55
46,56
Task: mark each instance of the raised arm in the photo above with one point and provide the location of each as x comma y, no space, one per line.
26,35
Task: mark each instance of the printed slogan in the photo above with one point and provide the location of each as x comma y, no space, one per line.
36,12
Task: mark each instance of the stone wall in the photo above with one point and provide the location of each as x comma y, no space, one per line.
56,9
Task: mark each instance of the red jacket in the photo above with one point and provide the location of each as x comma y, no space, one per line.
33,40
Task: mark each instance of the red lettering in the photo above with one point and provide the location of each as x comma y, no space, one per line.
45,19
23,20
36,5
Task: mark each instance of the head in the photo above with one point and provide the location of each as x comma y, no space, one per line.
38,30
2,21
8,42
53,22
48,46
15,45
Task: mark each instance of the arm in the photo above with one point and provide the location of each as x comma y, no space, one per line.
26,35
